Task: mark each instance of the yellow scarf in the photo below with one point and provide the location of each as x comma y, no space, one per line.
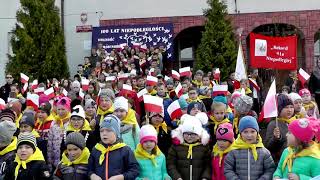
248,91
35,133
105,150
153,92
85,127
11,147
197,83
82,159
308,106
39,123
194,100
286,120
103,113
36,156
60,120
189,156
235,125
299,115
143,154
217,152
164,127
130,117
18,120
312,151
201,97
217,123
241,144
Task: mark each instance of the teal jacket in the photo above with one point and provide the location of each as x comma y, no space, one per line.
305,167
130,135
149,171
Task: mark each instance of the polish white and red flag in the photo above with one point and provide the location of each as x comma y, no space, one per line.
50,93
24,78
123,76
178,90
153,103
270,107
111,78
34,84
127,89
85,84
39,90
24,88
220,90
2,104
216,74
152,81
186,71
254,84
151,72
81,93
175,75
174,110
33,100
135,44
141,93
303,76
65,92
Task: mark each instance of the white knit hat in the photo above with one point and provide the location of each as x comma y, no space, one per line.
191,124
294,96
148,133
121,103
78,111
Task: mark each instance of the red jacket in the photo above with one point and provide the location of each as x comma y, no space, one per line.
217,172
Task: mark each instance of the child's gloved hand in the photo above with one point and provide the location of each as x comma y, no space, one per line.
276,133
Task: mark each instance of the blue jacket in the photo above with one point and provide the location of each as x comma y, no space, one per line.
121,161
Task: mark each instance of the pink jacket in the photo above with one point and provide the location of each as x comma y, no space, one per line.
217,172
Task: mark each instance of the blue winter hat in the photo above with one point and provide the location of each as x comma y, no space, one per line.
222,99
111,122
183,103
248,122
192,105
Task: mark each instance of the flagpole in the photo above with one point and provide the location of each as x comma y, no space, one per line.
147,118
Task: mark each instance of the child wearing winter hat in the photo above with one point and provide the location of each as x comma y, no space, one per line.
74,162
29,162
56,131
277,129
129,126
27,123
195,107
111,158
78,123
8,145
217,116
248,159
299,111
309,105
301,160
90,108
189,158
242,108
150,158
163,131
225,138
105,104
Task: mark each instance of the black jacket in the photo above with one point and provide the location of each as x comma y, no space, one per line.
36,170
5,91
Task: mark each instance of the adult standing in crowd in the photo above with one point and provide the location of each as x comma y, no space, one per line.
314,82
5,89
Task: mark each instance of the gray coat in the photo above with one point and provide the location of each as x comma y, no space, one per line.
236,165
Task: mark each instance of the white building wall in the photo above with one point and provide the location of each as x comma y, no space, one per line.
123,9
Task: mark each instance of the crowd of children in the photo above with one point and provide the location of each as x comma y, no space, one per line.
105,132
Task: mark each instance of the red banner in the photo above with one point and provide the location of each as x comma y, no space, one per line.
273,52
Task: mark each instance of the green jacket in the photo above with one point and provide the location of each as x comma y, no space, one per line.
305,167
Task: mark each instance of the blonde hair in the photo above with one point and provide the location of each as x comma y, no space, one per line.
216,105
